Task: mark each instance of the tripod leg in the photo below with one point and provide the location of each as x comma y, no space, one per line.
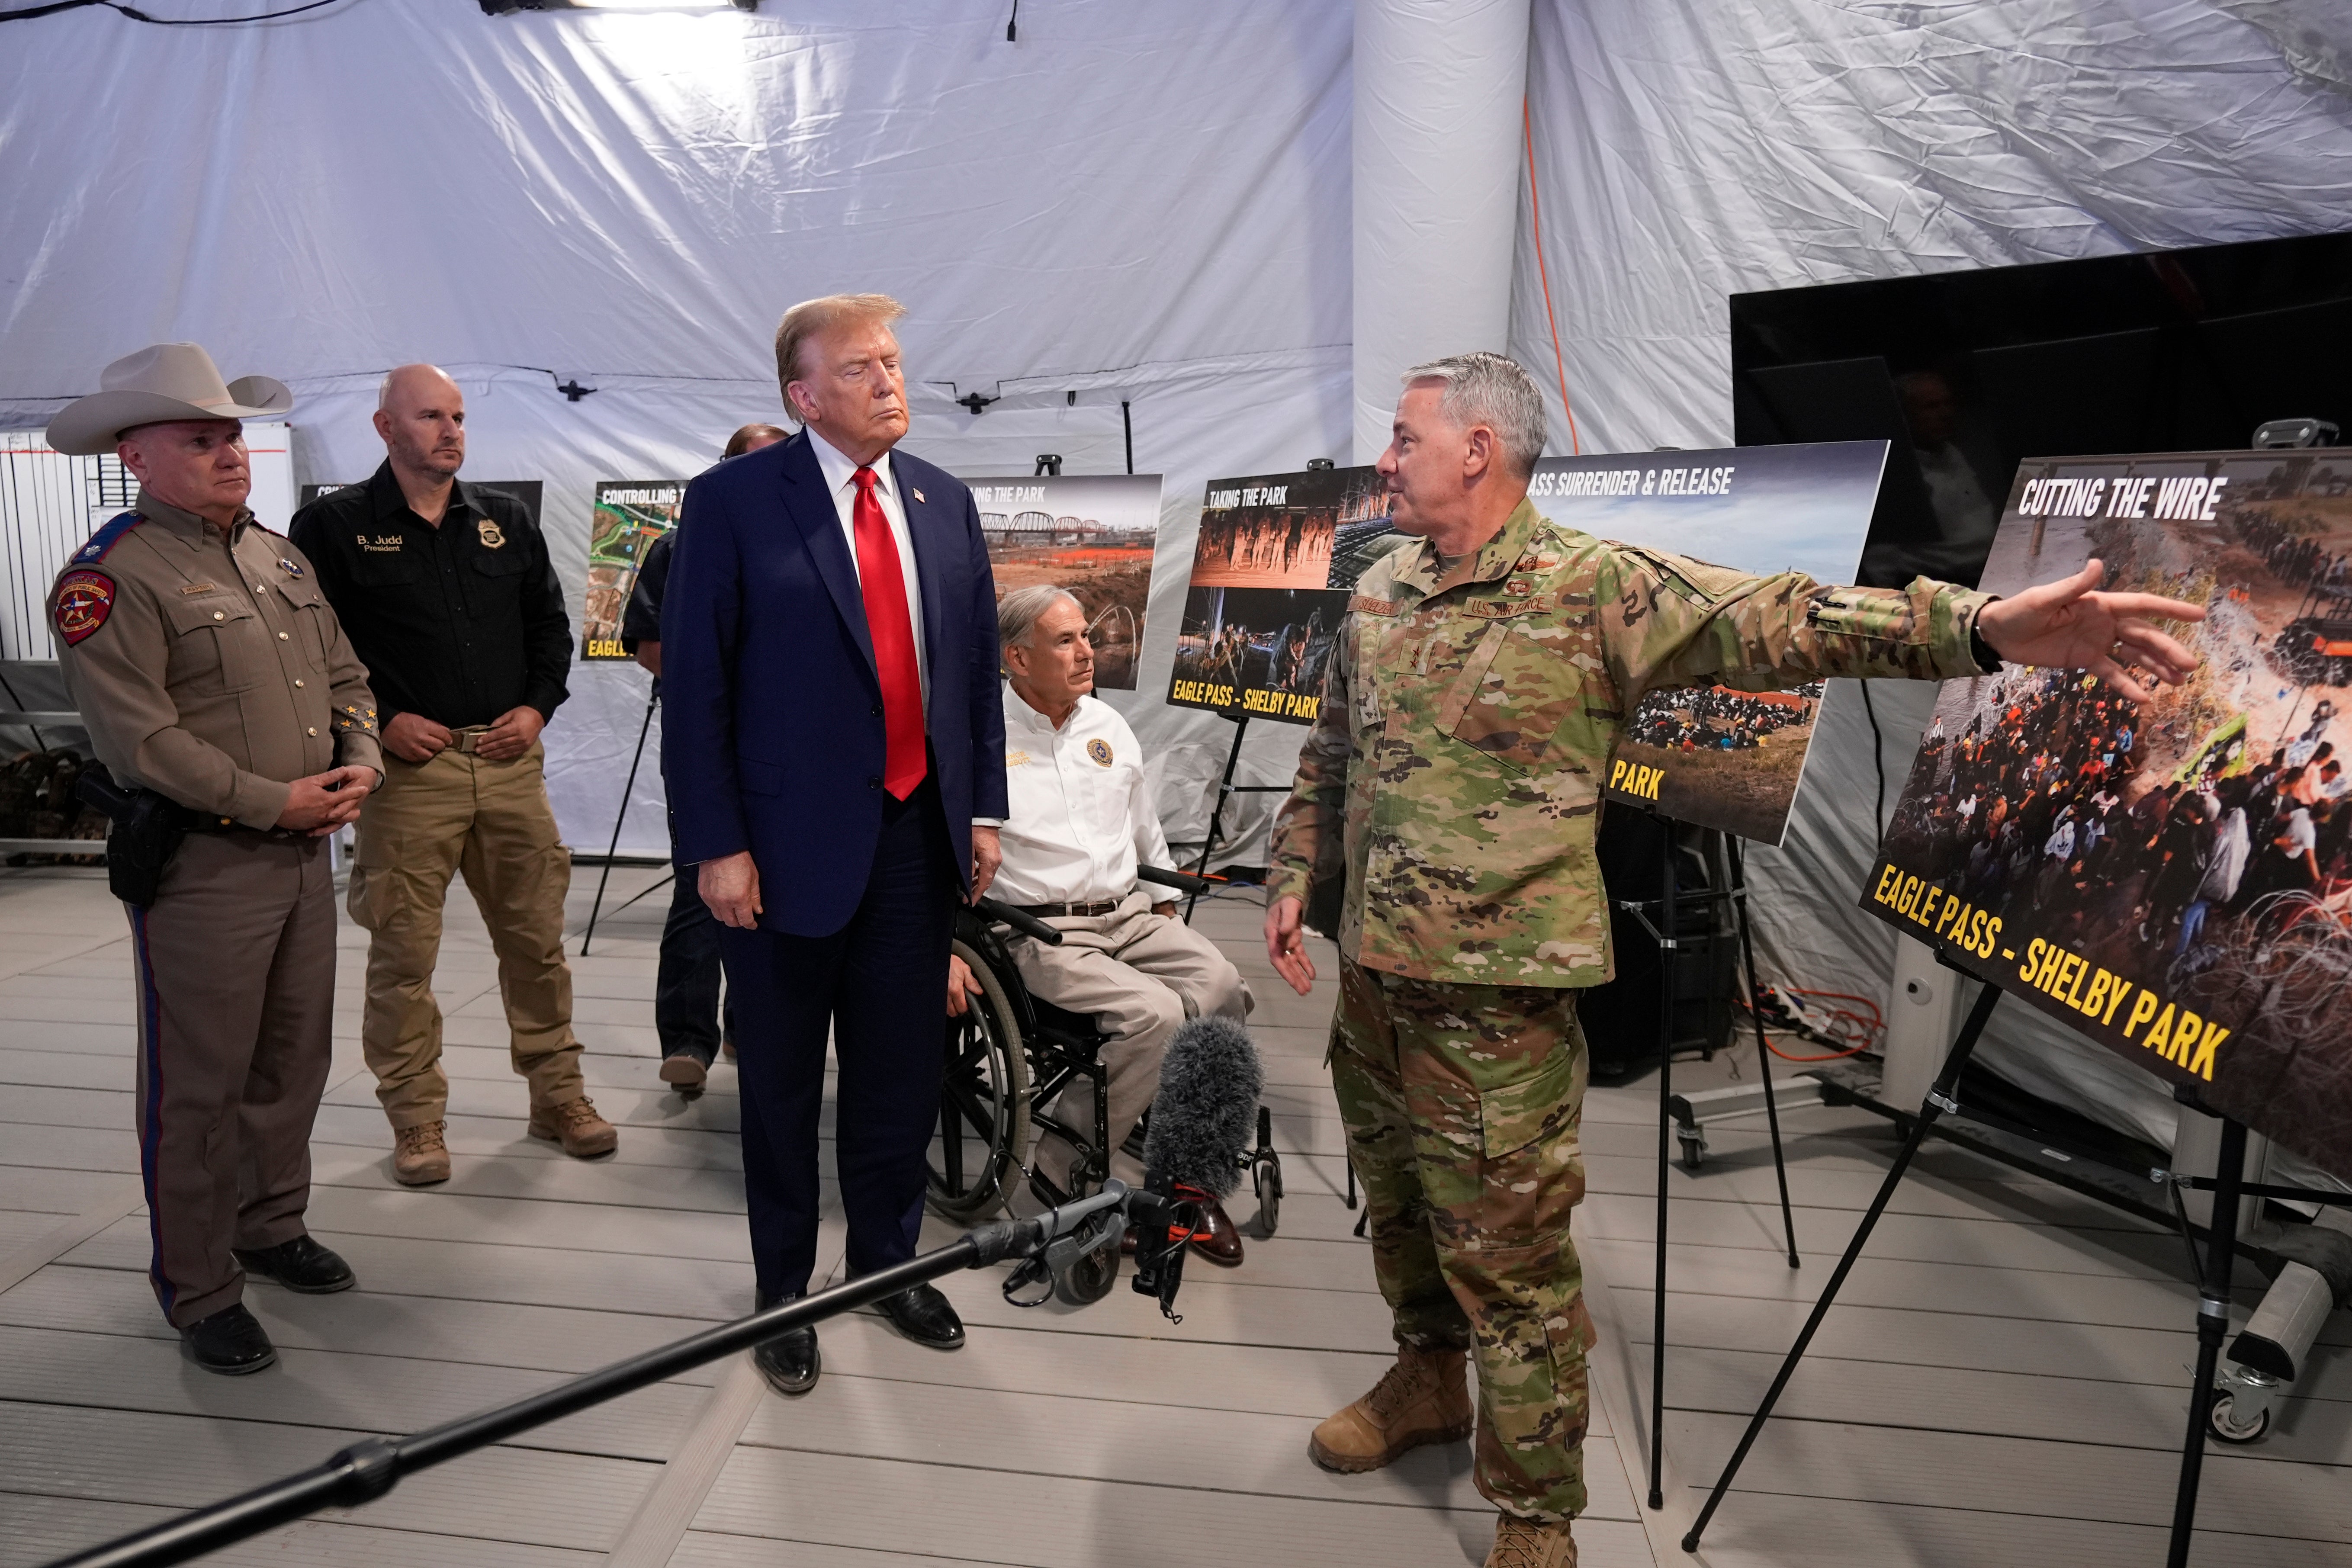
1668,923
2213,1326
1763,1049
653,700
1946,1081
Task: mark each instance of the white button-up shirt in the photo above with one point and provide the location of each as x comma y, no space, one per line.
841,481
1082,814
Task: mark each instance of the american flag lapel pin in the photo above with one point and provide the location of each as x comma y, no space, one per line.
918,495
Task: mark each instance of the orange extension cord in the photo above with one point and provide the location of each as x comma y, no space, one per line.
1535,206
1862,1022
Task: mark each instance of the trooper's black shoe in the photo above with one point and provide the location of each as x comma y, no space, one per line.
790,1361
229,1342
925,1316
301,1265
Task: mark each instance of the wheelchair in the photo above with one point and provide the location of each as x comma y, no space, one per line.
1008,1060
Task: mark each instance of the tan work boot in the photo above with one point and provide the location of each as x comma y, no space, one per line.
1424,1399
420,1154
1530,1543
577,1126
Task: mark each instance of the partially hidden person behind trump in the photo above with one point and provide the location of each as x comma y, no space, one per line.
220,690
1080,823
834,753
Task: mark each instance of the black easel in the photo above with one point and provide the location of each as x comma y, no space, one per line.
1666,933
1226,787
2228,1185
653,700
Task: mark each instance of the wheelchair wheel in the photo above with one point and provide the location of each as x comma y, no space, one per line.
1088,1280
1265,1175
983,1133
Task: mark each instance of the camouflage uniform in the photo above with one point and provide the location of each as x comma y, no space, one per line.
1454,777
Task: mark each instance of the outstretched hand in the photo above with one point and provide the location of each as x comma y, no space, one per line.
2070,624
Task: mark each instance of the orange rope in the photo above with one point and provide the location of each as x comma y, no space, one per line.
1559,364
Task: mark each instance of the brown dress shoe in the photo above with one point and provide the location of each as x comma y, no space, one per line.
1424,1399
577,1126
1216,1239
1531,1543
420,1154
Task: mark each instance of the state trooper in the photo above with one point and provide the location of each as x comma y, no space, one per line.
218,688
1450,792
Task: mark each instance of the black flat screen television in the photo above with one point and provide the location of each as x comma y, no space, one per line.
1965,373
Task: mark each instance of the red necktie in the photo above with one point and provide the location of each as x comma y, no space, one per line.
884,587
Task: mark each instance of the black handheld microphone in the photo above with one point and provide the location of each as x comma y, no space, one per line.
1203,1124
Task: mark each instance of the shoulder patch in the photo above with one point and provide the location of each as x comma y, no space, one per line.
94,549
80,605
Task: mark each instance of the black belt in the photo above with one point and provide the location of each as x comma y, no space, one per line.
230,827
1069,911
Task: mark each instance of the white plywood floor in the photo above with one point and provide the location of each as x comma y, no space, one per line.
2005,1385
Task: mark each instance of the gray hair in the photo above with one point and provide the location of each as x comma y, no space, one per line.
1490,389
1018,613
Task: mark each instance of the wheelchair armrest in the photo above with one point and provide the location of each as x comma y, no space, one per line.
1026,925
1182,882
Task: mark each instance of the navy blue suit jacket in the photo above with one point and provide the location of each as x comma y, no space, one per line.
771,728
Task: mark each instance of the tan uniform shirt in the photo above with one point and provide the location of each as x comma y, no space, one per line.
209,665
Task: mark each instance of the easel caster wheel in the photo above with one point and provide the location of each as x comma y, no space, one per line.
1266,1176
2225,1431
1693,1150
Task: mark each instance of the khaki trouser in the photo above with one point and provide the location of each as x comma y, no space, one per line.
460,812
1140,976
235,967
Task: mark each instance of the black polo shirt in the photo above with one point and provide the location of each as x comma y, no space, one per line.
460,623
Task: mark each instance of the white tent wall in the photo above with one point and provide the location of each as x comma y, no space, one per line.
1138,204
1686,151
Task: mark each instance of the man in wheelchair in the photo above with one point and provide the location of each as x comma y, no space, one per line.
1082,820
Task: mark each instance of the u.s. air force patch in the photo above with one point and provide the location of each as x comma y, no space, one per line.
81,603
1099,749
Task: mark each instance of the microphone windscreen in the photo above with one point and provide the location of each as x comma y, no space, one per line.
1205,1118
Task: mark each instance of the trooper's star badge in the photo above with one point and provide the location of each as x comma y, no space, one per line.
491,537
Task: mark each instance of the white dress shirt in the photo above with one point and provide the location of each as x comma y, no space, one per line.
1082,814
841,481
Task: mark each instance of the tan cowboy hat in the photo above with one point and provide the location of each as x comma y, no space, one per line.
169,380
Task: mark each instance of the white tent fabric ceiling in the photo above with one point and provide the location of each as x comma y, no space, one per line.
1138,204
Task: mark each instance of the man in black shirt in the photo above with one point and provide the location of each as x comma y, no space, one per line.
449,598
686,1011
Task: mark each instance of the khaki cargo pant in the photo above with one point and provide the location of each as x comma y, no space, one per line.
1464,1105
236,970
1140,976
462,813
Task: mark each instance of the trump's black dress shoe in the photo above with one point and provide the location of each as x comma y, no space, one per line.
790,1361
229,1342
925,1316
301,1265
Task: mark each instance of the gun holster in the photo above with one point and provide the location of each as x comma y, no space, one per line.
146,833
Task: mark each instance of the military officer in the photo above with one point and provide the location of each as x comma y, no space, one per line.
211,671
1481,680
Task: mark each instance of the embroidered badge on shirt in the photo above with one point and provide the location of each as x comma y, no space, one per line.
491,537
1016,759
1099,749
84,600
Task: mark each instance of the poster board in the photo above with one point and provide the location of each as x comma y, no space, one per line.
1713,757
2170,878
1090,534
1272,568
629,515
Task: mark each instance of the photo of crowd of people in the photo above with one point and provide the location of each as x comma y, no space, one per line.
1257,651
2198,847
1281,532
1728,759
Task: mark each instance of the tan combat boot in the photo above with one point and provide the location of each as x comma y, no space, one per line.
1424,1399
420,1155
577,1126
1529,1543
